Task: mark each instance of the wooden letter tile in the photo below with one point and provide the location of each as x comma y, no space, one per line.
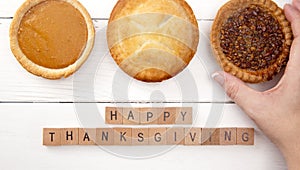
113,115
148,116
245,136
193,136
122,136
104,136
131,116
51,137
69,136
87,136
140,136
184,116
228,136
157,136
210,136
175,136
166,116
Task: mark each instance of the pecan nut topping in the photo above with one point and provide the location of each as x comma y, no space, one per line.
251,39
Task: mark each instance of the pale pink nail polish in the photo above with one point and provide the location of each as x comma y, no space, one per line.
219,78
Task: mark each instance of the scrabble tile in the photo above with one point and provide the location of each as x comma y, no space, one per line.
69,136
51,137
104,136
140,136
87,136
175,136
131,116
148,116
122,136
157,136
228,136
184,116
193,136
245,136
113,115
210,136
166,116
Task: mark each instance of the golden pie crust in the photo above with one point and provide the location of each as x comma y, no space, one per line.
52,38
152,41
244,73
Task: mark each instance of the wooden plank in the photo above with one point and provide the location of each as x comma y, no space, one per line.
20,134
100,79
102,9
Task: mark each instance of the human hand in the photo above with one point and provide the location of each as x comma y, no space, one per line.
276,111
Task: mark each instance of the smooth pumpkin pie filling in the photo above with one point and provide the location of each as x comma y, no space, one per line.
52,38
251,39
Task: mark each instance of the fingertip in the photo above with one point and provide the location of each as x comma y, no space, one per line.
219,77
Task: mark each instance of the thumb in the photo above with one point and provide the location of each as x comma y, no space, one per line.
245,97
293,15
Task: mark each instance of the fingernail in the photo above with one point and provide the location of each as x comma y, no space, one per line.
219,78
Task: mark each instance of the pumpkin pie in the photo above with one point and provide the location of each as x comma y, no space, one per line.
52,38
251,39
152,41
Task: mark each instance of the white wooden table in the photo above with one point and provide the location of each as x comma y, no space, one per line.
29,103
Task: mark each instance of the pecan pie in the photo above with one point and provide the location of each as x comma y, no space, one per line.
251,39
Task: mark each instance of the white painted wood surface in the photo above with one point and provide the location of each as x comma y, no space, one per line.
100,79
21,130
203,9
29,103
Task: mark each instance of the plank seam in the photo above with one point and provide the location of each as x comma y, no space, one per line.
28,102
105,19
